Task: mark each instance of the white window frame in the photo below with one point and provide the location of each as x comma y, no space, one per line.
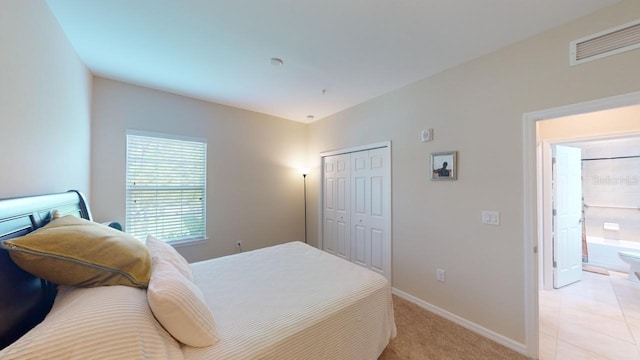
130,223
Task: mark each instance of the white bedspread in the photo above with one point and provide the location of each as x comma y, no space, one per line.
293,301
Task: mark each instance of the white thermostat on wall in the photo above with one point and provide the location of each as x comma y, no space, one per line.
427,135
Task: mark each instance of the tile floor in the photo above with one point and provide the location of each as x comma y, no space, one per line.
596,318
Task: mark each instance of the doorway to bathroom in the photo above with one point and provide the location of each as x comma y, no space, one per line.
596,314
593,206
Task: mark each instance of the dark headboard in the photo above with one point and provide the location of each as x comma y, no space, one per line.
24,299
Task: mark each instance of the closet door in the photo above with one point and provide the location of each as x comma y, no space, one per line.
356,207
336,206
370,210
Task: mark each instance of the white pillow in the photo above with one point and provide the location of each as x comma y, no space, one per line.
179,305
104,322
167,252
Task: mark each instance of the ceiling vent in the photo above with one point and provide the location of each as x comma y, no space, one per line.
605,43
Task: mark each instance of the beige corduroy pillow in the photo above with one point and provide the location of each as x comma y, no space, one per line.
166,252
179,306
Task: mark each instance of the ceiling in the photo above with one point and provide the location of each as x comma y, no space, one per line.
336,53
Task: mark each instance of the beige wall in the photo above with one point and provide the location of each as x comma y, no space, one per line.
254,190
44,104
476,109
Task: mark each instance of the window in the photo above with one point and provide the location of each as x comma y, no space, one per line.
166,178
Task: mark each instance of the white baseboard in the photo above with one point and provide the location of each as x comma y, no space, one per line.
491,335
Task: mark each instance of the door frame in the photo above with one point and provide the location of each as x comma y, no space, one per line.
378,145
532,220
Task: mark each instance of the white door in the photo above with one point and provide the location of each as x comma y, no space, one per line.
567,229
357,207
336,231
370,199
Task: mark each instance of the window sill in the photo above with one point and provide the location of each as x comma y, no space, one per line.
190,242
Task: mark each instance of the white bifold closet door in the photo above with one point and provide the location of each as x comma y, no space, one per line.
336,206
356,208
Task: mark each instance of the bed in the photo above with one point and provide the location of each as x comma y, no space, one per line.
289,301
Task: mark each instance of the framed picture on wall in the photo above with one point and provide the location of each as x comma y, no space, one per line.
444,165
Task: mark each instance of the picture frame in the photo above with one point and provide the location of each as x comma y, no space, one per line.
444,165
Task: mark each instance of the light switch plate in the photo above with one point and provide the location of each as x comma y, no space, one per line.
491,217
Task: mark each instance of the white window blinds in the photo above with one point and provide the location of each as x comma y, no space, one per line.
166,189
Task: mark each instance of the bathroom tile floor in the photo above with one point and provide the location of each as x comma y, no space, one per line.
596,318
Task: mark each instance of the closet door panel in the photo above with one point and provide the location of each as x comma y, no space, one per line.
343,206
360,245
329,231
380,211
377,196
343,240
377,250
360,195
329,197
330,238
361,207
336,206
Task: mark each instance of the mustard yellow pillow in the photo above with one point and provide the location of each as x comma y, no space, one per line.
77,252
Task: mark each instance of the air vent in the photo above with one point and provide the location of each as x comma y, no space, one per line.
605,43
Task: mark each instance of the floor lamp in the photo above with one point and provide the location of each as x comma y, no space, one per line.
304,172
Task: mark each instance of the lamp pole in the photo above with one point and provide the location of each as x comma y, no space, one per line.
304,179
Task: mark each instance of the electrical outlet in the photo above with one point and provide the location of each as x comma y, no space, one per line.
440,275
